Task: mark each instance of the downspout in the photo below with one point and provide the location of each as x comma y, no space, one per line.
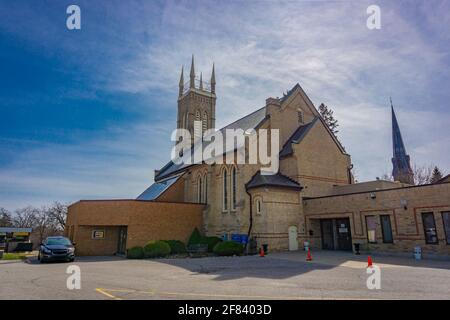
251,219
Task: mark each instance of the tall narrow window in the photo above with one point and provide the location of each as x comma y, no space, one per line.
224,190
371,225
258,206
186,120
205,188
386,228
300,116
446,220
199,190
205,122
429,228
233,188
197,125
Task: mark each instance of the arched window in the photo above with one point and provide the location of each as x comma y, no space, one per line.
205,188
233,188
204,122
199,189
224,189
258,206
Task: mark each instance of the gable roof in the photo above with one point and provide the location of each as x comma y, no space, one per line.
157,189
296,137
275,180
250,121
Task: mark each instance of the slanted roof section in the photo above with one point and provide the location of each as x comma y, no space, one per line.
275,180
250,121
296,137
158,188
444,179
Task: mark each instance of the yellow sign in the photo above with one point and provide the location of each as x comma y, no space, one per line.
21,234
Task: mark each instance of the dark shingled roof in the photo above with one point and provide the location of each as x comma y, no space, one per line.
250,121
296,137
275,180
157,189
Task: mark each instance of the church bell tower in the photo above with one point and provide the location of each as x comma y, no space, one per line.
196,102
401,170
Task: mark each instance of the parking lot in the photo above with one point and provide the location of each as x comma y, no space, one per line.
331,275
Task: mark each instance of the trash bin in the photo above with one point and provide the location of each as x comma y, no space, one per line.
357,247
253,247
418,253
306,245
265,248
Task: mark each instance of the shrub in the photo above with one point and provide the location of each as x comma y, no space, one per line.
155,249
176,246
228,248
211,242
195,238
135,253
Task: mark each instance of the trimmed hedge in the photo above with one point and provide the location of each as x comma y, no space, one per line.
156,249
197,238
176,246
228,248
135,253
211,242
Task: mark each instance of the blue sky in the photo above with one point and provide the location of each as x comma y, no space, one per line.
88,114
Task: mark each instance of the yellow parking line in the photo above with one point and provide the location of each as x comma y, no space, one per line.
102,291
219,295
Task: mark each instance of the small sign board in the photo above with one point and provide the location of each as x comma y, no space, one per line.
98,234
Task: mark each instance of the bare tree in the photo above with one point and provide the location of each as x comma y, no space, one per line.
25,217
5,218
44,225
58,213
422,174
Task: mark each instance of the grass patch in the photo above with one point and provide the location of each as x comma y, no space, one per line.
14,256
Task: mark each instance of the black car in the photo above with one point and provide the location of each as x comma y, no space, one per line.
56,248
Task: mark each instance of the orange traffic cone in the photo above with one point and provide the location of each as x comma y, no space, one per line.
309,257
261,252
369,262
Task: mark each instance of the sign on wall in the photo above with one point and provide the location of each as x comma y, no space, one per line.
98,234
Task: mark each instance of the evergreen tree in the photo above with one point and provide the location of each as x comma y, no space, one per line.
436,175
327,115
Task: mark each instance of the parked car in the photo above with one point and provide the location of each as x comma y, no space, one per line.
56,248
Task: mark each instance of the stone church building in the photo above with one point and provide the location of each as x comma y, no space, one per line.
312,197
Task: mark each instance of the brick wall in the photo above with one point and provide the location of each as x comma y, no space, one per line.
145,221
406,222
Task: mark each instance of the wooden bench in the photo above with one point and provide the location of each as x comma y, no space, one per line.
197,250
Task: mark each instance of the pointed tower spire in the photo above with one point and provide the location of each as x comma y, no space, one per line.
401,170
213,80
192,74
181,84
201,82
